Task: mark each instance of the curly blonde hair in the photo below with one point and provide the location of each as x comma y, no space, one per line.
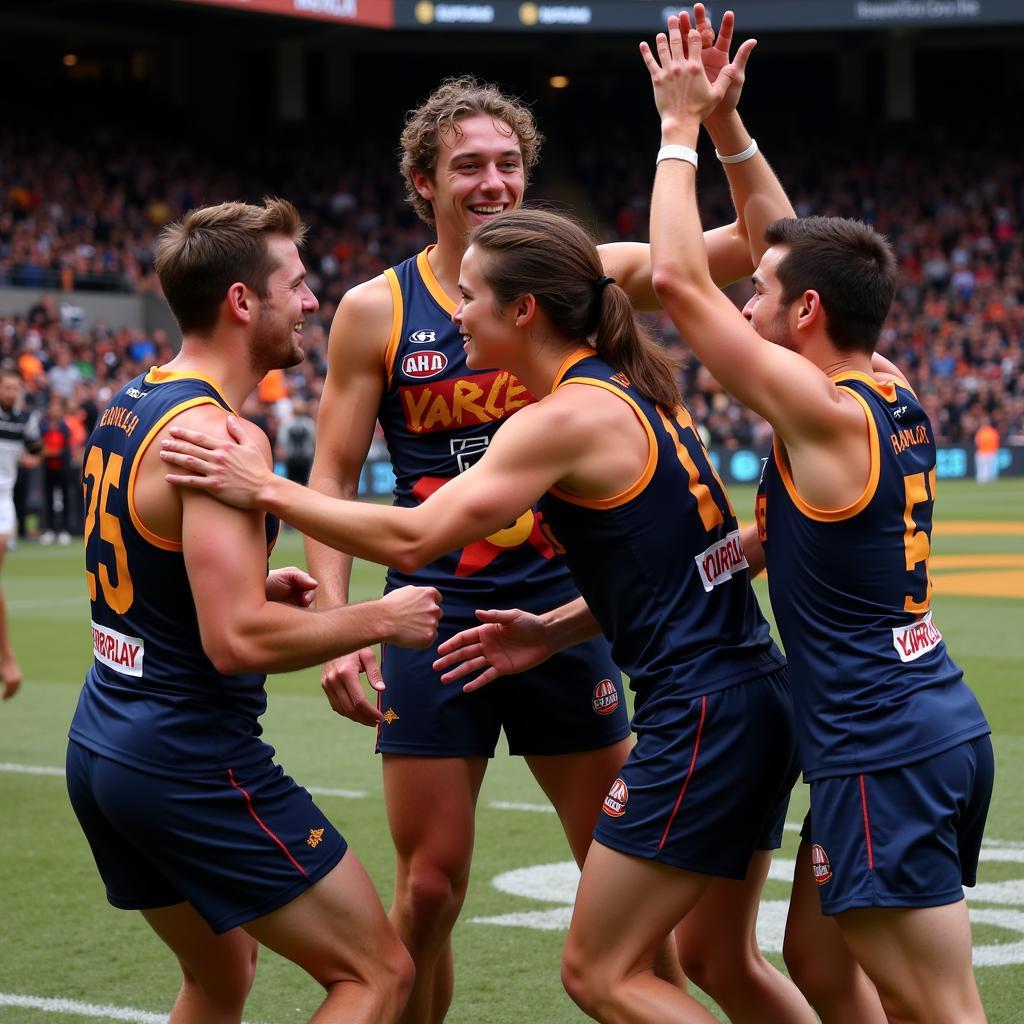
439,115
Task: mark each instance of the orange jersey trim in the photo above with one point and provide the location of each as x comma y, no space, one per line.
397,315
642,481
147,534
569,362
158,375
433,286
887,391
833,516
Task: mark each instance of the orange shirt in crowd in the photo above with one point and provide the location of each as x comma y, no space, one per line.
986,440
273,388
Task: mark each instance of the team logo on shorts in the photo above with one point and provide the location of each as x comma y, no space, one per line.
820,866
316,837
606,697
615,801
390,716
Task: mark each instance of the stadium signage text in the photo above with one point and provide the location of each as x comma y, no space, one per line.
897,10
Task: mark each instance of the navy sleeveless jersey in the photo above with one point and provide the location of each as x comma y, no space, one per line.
152,699
660,564
439,417
873,684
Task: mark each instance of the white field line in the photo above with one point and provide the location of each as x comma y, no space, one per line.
122,1013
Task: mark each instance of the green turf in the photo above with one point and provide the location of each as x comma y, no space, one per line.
58,937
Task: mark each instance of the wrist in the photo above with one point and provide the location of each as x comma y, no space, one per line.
384,623
729,136
724,126
268,495
680,131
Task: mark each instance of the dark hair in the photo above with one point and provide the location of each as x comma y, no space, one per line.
851,267
439,115
199,257
551,257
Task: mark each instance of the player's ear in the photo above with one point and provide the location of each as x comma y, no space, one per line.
422,183
525,310
809,310
239,302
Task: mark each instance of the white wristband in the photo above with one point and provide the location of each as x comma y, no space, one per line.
738,158
677,153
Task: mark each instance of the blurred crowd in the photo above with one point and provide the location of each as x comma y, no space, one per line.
85,217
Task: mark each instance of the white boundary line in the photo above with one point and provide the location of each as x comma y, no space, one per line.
123,1013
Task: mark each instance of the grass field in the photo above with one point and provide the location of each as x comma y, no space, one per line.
64,952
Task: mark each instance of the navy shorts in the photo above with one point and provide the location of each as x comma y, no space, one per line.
708,781
573,702
902,837
236,845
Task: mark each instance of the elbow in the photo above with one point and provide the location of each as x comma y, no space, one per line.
414,544
233,656
672,286
411,556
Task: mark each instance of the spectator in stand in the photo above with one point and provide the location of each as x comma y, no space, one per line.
296,441
57,443
986,453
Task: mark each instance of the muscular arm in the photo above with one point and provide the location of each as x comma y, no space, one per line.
348,414
509,641
225,557
544,444
531,452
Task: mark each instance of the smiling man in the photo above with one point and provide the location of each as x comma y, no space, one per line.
396,356
189,819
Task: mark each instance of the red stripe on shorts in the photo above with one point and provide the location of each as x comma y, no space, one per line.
867,823
689,774
257,819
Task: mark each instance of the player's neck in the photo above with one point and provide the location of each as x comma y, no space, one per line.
833,361
231,371
445,259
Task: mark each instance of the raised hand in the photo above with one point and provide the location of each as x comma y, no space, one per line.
715,55
506,642
416,612
683,88
232,472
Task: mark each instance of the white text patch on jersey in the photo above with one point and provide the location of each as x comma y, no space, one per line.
916,639
721,561
122,653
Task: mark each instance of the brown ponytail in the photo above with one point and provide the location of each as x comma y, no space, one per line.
551,257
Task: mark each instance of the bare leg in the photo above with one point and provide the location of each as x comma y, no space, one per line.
624,908
10,672
338,933
218,969
718,949
919,960
433,854
819,960
576,785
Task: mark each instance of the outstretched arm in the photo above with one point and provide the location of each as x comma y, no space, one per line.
510,640
757,193
529,454
766,377
243,628
733,250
